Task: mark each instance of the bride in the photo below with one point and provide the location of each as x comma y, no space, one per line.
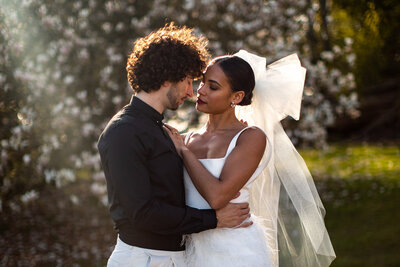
259,161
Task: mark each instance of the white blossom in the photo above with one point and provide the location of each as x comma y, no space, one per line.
29,196
74,199
351,59
26,158
327,55
107,27
69,79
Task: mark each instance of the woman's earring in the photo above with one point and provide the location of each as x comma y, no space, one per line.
233,105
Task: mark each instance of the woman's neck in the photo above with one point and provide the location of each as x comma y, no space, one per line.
223,121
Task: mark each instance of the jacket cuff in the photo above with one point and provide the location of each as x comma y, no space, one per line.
210,219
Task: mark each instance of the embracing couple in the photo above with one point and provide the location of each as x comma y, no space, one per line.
183,200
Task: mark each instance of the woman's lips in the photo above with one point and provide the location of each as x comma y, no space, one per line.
199,101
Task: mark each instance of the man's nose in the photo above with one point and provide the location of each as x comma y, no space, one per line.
190,89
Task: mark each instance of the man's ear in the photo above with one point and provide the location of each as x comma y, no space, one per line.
238,97
166,84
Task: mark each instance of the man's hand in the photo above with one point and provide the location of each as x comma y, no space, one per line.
233,214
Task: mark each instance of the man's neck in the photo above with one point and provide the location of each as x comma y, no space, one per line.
153,99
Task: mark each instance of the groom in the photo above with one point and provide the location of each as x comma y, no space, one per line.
144,173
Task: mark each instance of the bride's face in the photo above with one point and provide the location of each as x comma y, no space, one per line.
214,94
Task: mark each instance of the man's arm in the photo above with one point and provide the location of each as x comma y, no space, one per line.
126,157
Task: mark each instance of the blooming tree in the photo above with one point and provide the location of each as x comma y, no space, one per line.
63,75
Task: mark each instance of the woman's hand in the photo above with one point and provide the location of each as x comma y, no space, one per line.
176,138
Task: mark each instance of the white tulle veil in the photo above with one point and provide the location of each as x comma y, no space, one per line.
284,194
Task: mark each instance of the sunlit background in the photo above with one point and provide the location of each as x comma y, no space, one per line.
62,77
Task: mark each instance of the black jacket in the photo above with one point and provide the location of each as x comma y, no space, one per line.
145,181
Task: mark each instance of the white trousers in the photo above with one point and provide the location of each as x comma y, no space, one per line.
127,255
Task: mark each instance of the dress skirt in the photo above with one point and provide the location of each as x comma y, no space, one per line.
234,247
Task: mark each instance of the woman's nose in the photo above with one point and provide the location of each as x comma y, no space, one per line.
200,90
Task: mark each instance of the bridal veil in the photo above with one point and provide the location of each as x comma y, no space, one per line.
285,195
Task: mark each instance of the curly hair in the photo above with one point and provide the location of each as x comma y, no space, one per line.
168,54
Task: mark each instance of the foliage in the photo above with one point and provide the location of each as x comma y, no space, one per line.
347,162
64,75
374,27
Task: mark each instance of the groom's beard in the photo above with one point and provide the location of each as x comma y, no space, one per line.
173,98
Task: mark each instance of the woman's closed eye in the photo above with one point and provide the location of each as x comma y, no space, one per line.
210,86
213,85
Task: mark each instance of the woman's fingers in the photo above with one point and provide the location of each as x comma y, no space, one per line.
175,137
171,131
170,128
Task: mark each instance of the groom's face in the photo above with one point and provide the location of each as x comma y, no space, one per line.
179,92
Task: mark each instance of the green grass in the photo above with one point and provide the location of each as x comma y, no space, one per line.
363,220
356,161
360,188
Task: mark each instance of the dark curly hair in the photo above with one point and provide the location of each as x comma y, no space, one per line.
240,76
168,54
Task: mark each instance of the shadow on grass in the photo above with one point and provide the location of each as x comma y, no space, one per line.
363,218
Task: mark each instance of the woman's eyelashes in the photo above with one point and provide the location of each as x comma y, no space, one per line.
210,85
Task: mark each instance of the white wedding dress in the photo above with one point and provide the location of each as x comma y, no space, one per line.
281,191
238,247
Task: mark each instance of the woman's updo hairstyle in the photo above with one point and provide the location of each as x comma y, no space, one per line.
240,76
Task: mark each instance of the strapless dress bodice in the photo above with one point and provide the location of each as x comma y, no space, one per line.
214,166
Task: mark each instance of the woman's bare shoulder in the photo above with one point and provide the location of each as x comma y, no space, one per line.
254,135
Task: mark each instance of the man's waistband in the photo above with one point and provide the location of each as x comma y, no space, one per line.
149,240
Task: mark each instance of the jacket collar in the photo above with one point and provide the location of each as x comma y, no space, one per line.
138,105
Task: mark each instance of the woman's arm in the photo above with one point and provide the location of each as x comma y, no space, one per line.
238,168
